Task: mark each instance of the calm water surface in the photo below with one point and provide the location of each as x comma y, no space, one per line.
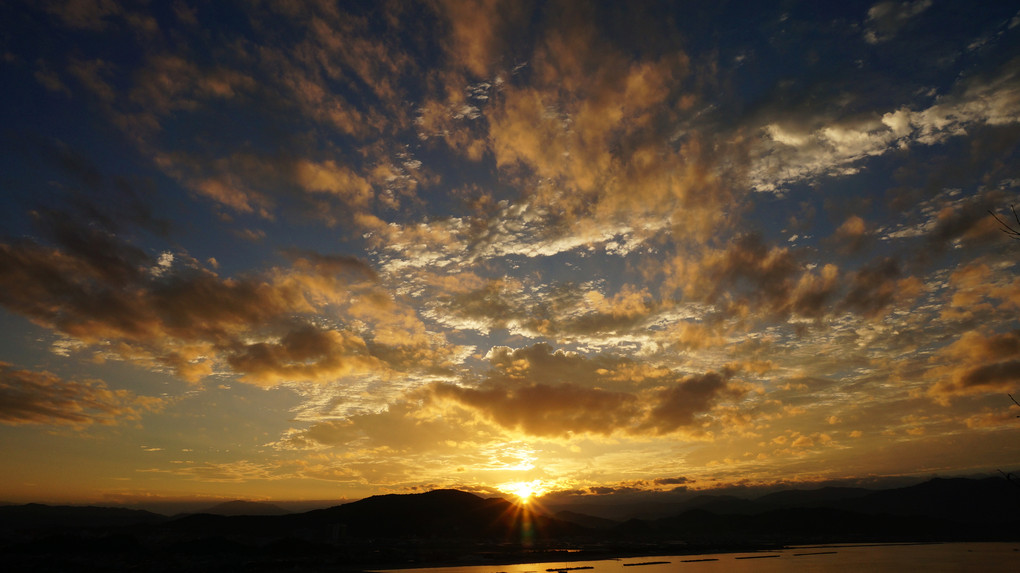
943,557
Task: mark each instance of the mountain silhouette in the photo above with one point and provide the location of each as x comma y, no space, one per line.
940,509
438,513
811,497
447,526
584,520
242,507
38,516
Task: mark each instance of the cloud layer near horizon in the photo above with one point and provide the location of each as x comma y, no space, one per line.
482,242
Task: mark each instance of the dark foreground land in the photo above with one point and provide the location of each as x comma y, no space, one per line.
448,527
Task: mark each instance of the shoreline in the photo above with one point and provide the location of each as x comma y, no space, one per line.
594,556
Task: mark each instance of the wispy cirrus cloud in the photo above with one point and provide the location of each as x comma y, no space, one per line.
801,148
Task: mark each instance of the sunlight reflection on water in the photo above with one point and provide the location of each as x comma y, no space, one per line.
943,557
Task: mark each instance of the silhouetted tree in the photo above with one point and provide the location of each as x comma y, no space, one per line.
1009,476
1008,228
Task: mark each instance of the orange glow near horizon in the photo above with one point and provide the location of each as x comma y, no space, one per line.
526,492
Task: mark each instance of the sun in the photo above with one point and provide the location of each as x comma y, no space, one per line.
525,491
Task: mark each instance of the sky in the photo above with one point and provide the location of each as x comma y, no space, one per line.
320,251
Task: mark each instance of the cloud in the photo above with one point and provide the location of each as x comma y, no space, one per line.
332,71
980,293
878,285
806,146
587,134
678,405
517,173
885,19
327,266
456,119
227,472
328,177
561,311
335,46
86,14
548,410
273,185
977,363
170,83
408,425
542,393
94,74
751,279
101,291
50,79
41,398
852,235
749,276
304,353
951,219
479,32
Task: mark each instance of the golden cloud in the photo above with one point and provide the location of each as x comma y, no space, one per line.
42,398
749,274
977,363
548,410
103,293
543,393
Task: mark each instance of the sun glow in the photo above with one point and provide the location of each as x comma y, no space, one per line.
525,491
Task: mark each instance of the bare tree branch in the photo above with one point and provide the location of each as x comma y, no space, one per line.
1007,228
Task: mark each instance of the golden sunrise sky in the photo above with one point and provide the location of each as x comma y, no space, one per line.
323,250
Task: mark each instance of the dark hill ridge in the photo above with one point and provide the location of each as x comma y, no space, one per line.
242,507
811,497
965,500
937,510
960,499
39,516
589,521
388,531
438,513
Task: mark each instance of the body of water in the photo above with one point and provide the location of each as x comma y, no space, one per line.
939,557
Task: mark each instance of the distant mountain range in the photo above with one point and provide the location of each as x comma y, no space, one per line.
450,525
961,499
36,516
242,507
